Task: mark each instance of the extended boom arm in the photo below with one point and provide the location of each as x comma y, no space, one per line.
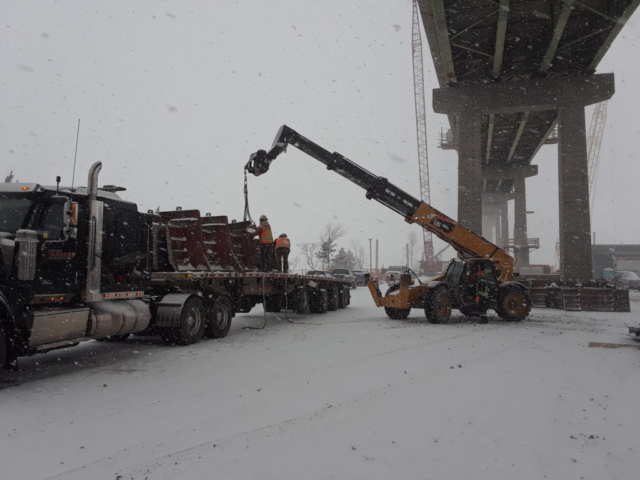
468,243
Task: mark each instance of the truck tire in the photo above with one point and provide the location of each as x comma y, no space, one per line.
219,318
437,306
3,348
274,303
191,328
397,313
334,299
514,303
302,300
319,301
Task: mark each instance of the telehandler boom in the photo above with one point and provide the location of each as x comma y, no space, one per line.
510,299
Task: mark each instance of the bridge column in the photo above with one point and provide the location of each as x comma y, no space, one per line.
504,224
575,224
469,163
521,240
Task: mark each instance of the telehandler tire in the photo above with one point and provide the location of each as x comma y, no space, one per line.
514,304
397,313
437,307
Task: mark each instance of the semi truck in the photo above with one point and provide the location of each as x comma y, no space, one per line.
453,289
82,263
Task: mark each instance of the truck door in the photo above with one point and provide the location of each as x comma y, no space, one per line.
60,263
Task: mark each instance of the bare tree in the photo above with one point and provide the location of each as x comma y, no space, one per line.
328,238
310,253
412,242
358,252
294,263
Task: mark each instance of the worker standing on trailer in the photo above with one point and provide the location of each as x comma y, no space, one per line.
283,247
265,236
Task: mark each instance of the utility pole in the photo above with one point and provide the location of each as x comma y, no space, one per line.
376,254
370,256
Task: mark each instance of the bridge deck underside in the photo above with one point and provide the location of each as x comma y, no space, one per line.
488,41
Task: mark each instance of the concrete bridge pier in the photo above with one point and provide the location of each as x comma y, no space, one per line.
567,96
520,238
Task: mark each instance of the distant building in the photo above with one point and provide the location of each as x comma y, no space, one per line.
617,257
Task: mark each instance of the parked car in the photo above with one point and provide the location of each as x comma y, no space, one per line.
627,279
345,273
359,274
318,273
393,275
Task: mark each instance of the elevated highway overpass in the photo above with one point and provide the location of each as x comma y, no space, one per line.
512,73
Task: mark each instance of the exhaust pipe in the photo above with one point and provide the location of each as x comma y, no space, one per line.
94,258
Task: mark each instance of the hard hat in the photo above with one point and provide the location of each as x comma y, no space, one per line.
283,235
263,217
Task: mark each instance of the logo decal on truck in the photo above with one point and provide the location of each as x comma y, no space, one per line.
442,222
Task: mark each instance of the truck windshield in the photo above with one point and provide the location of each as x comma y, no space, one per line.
13,212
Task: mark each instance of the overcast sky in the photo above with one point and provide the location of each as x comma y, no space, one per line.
175,95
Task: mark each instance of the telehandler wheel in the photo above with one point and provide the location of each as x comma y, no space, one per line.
114,338
334,299
437,307
219,319
514,304
397,313
319,301
191,328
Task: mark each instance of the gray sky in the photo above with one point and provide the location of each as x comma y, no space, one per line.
175,95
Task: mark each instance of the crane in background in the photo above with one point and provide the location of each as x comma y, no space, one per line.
428,261
594,141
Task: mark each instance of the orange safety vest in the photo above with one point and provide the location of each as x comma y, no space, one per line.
264,233
283,242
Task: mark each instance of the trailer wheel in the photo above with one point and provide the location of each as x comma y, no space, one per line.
219,321
334,299
437,307
274,303
302,300
191,328
397,313
319,301
114,338
514,304
342,297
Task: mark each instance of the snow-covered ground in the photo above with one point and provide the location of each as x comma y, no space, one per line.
349,394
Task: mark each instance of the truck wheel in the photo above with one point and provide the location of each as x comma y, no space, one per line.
514,304
437,307
191,329
302,301
397,313
219,321
319,302
3,348
334,299
274,303
114,338
342,297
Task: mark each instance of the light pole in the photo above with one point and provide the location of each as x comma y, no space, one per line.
370,256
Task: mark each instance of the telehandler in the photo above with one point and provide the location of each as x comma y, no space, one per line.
453,289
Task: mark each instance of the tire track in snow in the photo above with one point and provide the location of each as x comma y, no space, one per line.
144,467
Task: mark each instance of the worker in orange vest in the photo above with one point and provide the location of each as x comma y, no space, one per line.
265,237
283,247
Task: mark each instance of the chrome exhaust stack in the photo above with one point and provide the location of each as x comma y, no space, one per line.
94,257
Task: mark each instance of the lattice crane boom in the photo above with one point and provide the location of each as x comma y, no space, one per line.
594,142
428,258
